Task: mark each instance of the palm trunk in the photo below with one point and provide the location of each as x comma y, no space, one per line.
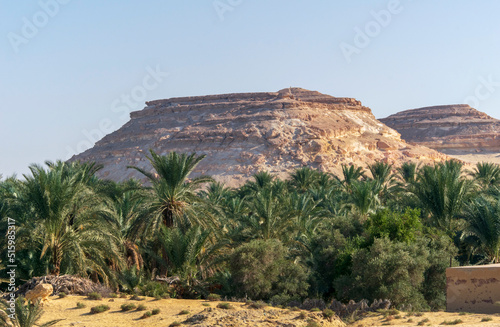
168,218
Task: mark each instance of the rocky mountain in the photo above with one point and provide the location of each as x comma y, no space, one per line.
449,129
247,132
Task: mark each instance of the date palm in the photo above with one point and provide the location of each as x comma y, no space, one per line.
66,221
487,174
483,217
26,314
442,191
350,175
173,197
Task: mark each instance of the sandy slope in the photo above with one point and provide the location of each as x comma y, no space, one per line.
239,316
430,319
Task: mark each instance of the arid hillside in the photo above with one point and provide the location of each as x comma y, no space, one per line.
247,132
450,129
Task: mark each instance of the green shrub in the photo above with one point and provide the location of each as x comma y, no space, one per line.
62,295
328,314
213,297
123,296
99,309
128,306
486,319
312,323
135,297
155,311
302,315
453,322
80,305
94,296
113,295
184,312
146,314
155,289
257,305
387,270
224,305
315,310
141,307
175,324
205,304
260,269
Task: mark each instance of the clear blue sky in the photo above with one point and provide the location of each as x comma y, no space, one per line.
64,79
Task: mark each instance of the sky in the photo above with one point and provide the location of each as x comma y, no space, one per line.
71,71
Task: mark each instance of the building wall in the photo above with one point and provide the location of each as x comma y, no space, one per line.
473,289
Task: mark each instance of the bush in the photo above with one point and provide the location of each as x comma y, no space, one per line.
146,314
183,312
155,311
94,296
62,295
128,306
213,297
261,270
205,304
113,295
155,289
224,305
141,307
257,305
135,297
387,270
328,314
99,309
175,324
80,305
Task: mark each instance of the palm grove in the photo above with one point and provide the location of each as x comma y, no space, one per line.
376,233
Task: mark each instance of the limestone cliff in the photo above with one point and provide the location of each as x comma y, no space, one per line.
448,128
247,132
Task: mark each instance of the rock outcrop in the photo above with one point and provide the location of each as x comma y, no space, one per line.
247,132
449,129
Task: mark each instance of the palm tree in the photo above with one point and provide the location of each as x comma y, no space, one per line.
382,174
351,174
408,172
27,315
305,178
173,196
442,191
269,215
483,217
261,180
487,174
65,218
189,253
364,196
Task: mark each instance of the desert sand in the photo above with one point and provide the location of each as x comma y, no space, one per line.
240,315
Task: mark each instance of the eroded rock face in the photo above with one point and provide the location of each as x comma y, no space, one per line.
247,132
448,128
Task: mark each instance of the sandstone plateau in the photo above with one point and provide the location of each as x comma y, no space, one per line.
246,132
450,129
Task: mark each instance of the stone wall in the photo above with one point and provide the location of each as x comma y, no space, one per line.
473,289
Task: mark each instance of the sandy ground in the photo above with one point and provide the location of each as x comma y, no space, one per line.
476,157
430,319
240,315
